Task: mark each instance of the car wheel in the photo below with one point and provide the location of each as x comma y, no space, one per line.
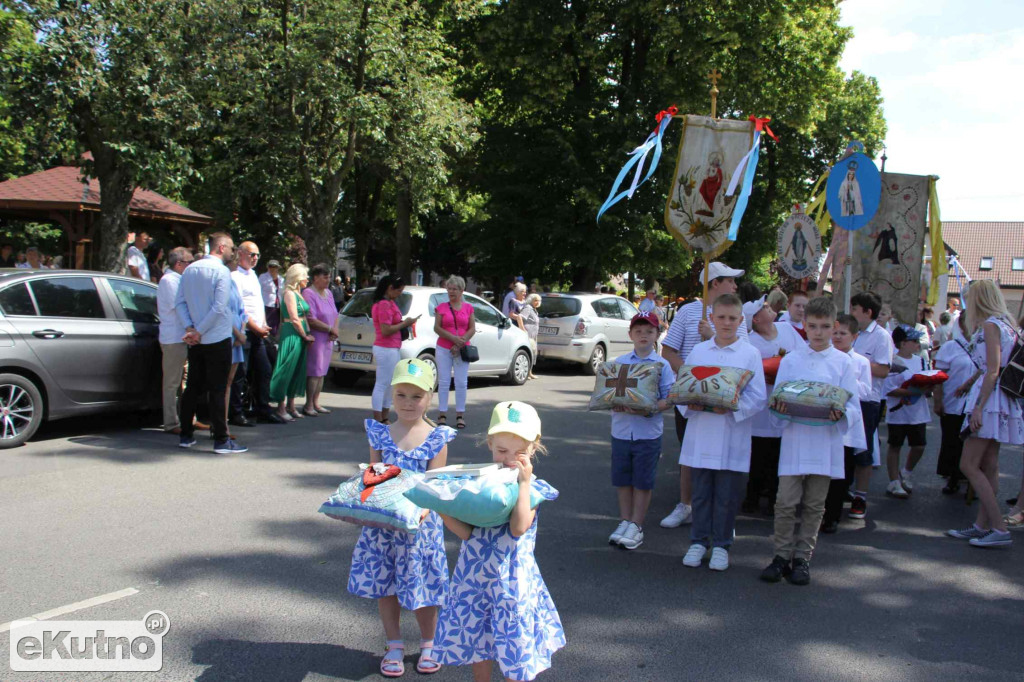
596,358
429,359
21,410
519,368
345,378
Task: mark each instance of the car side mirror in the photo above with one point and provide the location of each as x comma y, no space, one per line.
505,323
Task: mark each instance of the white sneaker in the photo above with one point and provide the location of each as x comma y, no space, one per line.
719,559
614,538
993,538
895,489
632,538
906,481
695,555
682,514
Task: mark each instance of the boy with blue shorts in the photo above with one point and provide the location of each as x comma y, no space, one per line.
636,438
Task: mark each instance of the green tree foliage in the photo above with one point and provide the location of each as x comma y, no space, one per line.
115,69
566,90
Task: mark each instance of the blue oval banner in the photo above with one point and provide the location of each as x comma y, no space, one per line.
853,191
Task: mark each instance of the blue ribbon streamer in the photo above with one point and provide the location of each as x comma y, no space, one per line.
748,185
638,156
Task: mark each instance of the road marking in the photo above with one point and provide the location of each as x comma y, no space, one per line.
77,606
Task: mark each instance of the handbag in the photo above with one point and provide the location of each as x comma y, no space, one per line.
1011,377
468,353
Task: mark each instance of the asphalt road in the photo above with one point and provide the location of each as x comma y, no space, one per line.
253,579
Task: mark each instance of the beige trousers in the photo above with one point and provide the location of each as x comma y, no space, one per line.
174,358
809,491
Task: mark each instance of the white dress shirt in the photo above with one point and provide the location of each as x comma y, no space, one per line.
875,344
785,339
627,426
171,329
818,449
855,437
917,412
138,259
954,359
271,294
250,289
722,441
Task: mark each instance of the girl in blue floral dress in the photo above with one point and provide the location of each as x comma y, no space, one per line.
402,570
499,608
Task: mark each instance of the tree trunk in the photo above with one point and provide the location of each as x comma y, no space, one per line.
116,188
403,231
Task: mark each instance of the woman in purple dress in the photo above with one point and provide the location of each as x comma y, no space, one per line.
322,318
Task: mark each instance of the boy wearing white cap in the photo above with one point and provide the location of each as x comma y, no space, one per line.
686,331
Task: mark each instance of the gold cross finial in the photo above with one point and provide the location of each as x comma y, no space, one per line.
714,77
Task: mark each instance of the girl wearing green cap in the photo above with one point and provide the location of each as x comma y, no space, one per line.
402,570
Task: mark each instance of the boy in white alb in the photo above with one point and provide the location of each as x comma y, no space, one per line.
855,452
636,438
772,339
811,455
907,412
716,445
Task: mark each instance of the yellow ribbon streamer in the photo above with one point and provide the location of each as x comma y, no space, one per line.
939,265
816,210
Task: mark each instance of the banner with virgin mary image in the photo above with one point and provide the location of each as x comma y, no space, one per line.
888,251
698,212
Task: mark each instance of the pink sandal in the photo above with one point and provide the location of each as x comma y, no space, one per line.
427,665
393,665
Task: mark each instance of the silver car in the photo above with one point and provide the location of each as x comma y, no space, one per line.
584,328
73,343
504,347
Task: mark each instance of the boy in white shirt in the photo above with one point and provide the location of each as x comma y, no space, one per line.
717,443
811,455
950,401
907,413
636,438
771,339
855,451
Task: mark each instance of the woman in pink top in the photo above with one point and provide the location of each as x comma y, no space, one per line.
387,326
454,326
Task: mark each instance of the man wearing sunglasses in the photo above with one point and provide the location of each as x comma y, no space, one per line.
257,334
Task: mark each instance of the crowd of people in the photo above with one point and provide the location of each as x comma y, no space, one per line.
30,258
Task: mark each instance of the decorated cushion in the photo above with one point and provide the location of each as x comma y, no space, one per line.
771,368
709,387
926,379
481,501
623,385
374,498
808,402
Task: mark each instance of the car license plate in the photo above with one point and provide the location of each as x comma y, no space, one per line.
551,331
350,356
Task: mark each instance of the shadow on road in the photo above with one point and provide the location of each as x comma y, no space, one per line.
230,659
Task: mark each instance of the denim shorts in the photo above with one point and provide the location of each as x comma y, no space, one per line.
635,462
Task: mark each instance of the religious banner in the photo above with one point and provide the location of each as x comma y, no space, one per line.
887,253
798,246
699,210
853,189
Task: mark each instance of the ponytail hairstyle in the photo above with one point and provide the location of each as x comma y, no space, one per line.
385,283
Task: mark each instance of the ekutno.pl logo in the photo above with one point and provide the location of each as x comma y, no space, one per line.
89,645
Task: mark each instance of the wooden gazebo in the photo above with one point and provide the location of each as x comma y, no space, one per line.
61,195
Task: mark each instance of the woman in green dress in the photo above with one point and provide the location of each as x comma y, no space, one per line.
289,378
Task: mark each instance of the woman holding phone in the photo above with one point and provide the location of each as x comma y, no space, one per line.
387,326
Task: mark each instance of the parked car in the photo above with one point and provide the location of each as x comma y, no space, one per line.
74,342
584,328
504,347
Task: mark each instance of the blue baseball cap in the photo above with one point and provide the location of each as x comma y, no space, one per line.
905,332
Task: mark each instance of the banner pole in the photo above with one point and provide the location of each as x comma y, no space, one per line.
714,77
704,300
847,271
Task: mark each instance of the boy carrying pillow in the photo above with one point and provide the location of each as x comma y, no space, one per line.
717,442
636,438
811,456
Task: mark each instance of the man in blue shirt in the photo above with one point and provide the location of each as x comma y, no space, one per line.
202,307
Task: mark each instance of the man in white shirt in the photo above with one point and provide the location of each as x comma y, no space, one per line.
686,331
33,261
138,266
270,286
257,364
173,348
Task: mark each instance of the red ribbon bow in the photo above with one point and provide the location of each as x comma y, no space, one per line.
671,111
761,124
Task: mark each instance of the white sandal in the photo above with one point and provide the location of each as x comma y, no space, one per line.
393,665
427,665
